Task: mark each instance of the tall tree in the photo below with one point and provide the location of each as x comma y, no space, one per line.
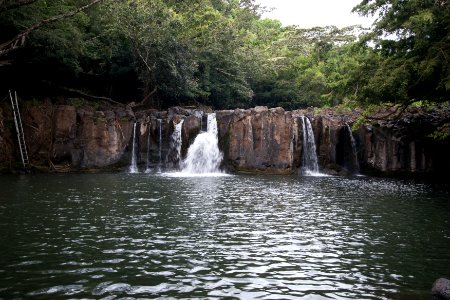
163,59
219,32
413,39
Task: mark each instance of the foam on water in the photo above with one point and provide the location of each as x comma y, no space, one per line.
314,174
189,175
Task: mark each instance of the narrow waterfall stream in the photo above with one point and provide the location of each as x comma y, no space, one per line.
310,165
133,166
204,156
159,167
175,145
147,169
354,151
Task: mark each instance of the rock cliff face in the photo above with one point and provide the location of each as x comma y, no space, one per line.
6,142
76,137
397,146
405,145
100,137
258,140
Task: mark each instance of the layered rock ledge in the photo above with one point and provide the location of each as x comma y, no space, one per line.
257,140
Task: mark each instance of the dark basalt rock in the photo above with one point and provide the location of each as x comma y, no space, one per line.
259,140
441,289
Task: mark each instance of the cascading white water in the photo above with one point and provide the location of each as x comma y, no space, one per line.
354,152
176,142
204,155
310,165
158,169
147,169
133,166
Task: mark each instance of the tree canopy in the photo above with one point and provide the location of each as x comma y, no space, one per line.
412,40
222,53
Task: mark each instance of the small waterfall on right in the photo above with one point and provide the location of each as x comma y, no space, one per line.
147,169
133,167
159,167
310,165
355,162
204,156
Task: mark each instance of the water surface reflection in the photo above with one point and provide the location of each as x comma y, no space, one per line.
135,235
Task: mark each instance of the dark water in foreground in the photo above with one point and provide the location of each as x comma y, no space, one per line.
146,236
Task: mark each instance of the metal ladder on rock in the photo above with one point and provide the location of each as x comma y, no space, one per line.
19,129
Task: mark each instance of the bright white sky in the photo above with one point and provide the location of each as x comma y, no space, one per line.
310,13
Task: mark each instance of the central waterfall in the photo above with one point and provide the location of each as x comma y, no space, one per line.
310,165
203,155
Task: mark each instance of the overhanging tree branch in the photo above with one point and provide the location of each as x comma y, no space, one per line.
93,97
19,40
146,98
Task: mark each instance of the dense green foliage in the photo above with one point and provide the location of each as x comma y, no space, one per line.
221,53
411,50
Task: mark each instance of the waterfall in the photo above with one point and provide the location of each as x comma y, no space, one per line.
204,155
176,143
133,166
354,152
309,159
147,169
158,169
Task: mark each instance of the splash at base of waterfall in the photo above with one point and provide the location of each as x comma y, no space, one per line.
314,174
193,175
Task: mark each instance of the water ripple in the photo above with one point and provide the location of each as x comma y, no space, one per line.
110,235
